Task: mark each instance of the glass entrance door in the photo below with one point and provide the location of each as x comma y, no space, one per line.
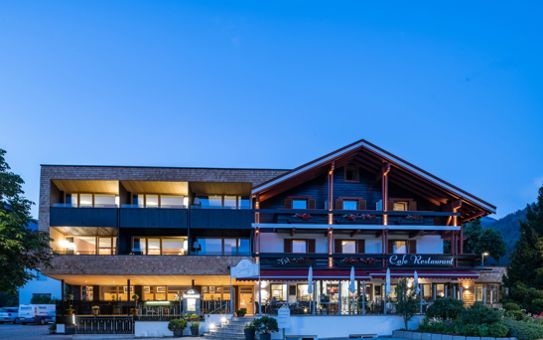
246,299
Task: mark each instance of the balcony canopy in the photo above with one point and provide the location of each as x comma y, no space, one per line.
87,185
156,187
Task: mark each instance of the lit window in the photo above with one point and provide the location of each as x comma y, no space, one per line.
400,206
348,247
278,291
169,201
299,246
350,205
151,201
399,247
230,202
153,246
85,200
104,200
299,204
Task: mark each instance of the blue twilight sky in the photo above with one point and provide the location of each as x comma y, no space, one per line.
454,87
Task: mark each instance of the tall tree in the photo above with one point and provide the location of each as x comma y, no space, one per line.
478,240
21,249
526,264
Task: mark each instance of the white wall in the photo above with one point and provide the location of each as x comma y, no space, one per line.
430,244
146,329
40,285
342,326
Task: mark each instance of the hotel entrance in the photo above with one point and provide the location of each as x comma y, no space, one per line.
246,299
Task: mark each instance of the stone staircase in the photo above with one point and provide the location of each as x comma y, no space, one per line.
232,330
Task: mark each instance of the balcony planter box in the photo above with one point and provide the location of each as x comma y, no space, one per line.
446,337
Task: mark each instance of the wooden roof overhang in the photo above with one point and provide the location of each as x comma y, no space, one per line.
403,174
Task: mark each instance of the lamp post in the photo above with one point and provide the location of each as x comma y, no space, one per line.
483,258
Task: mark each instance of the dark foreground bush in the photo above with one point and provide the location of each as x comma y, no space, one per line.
480,314
524,330
445,309
497,329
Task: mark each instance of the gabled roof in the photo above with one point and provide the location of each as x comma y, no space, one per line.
418,176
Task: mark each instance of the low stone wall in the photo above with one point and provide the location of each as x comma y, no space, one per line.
433,336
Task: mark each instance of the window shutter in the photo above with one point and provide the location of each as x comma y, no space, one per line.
311,203
389,249
361,204
288,203
412,246
361,246
412,205
339,203
310,246
337,247
288,246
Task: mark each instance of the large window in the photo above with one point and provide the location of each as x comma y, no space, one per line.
299,203
400,206
159,201
170,245
115,293
350,204
221,246
222,202
299,246
348,247
89,200
278,291
399,247
86,245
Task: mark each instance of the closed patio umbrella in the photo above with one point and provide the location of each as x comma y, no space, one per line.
310,287
418,291
388,288
352,286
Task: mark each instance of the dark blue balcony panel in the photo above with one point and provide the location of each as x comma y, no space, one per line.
221,218
83,217
153,218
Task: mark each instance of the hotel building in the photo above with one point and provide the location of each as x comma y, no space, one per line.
129,239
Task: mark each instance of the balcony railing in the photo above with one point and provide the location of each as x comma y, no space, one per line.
83,217
355,217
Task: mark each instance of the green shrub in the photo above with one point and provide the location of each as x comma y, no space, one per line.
511,306
536,306
445,309
266,325
498,330
515,314
480,314
177,324
437,326
524,330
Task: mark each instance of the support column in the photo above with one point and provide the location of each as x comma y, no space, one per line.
331,215
384,191
256,245
129,296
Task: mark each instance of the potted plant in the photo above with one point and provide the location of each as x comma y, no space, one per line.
195,328
95,310
265,325
177,326
249,331
241,312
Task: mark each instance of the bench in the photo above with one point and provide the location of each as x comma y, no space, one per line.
301,337
362,336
